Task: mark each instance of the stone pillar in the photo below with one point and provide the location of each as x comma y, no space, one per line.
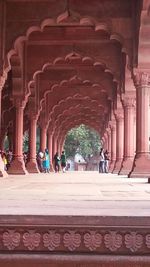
58,147
32,164
3,173
3,133
141,165
17,165
43,139
129,140
108,130
103,142
54,145
106,141
10,138
109,140
50,149
119,141
113,145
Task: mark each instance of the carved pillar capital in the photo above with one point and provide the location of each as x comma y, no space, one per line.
119,114
112,125
32,115
141,78
129,100
19,102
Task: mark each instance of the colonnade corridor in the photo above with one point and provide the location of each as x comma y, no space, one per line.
74,219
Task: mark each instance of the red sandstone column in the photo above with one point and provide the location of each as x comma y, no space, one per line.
3,135
10,138
50,149
109,143
54,145
119,141
3,173
109,140
129,150
43,139
113,145
141,165
17,165
105,141
58,147
50,140
32,164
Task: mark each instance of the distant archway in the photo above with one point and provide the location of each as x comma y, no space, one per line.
82,145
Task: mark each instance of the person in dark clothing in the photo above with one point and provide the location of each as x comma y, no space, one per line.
102,161
56,162
106,161
63,161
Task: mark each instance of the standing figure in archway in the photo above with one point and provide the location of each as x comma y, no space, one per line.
46,161
106,156
102,161
63,161
56,162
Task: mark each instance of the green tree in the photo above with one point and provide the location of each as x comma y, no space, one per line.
83,140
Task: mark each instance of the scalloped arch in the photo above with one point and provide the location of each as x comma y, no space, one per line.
67,82
77,109
79,120
82,115
63,103
47,22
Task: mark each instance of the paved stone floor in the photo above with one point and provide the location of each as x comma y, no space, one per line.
74,193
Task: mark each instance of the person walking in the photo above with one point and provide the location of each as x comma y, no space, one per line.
56,162
106,156
102,161
63,161
46,161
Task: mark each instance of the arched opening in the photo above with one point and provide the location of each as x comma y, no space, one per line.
82,146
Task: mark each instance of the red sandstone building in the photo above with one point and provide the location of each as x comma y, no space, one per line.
63,63
68,62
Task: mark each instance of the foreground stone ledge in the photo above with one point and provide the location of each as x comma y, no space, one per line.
89,235
48,260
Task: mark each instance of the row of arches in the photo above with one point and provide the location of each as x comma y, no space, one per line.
75,67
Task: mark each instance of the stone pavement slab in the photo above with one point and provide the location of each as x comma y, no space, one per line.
74,194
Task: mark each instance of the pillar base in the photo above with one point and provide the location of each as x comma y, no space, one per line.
17,167
32,167
117,166
141,167
126,167
111,167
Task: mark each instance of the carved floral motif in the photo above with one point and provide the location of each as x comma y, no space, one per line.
11,239
113,241
92,240
51,240
133,241
148,240
72,240
31,240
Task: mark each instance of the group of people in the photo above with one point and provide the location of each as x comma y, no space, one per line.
44,164
59,162
104,161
